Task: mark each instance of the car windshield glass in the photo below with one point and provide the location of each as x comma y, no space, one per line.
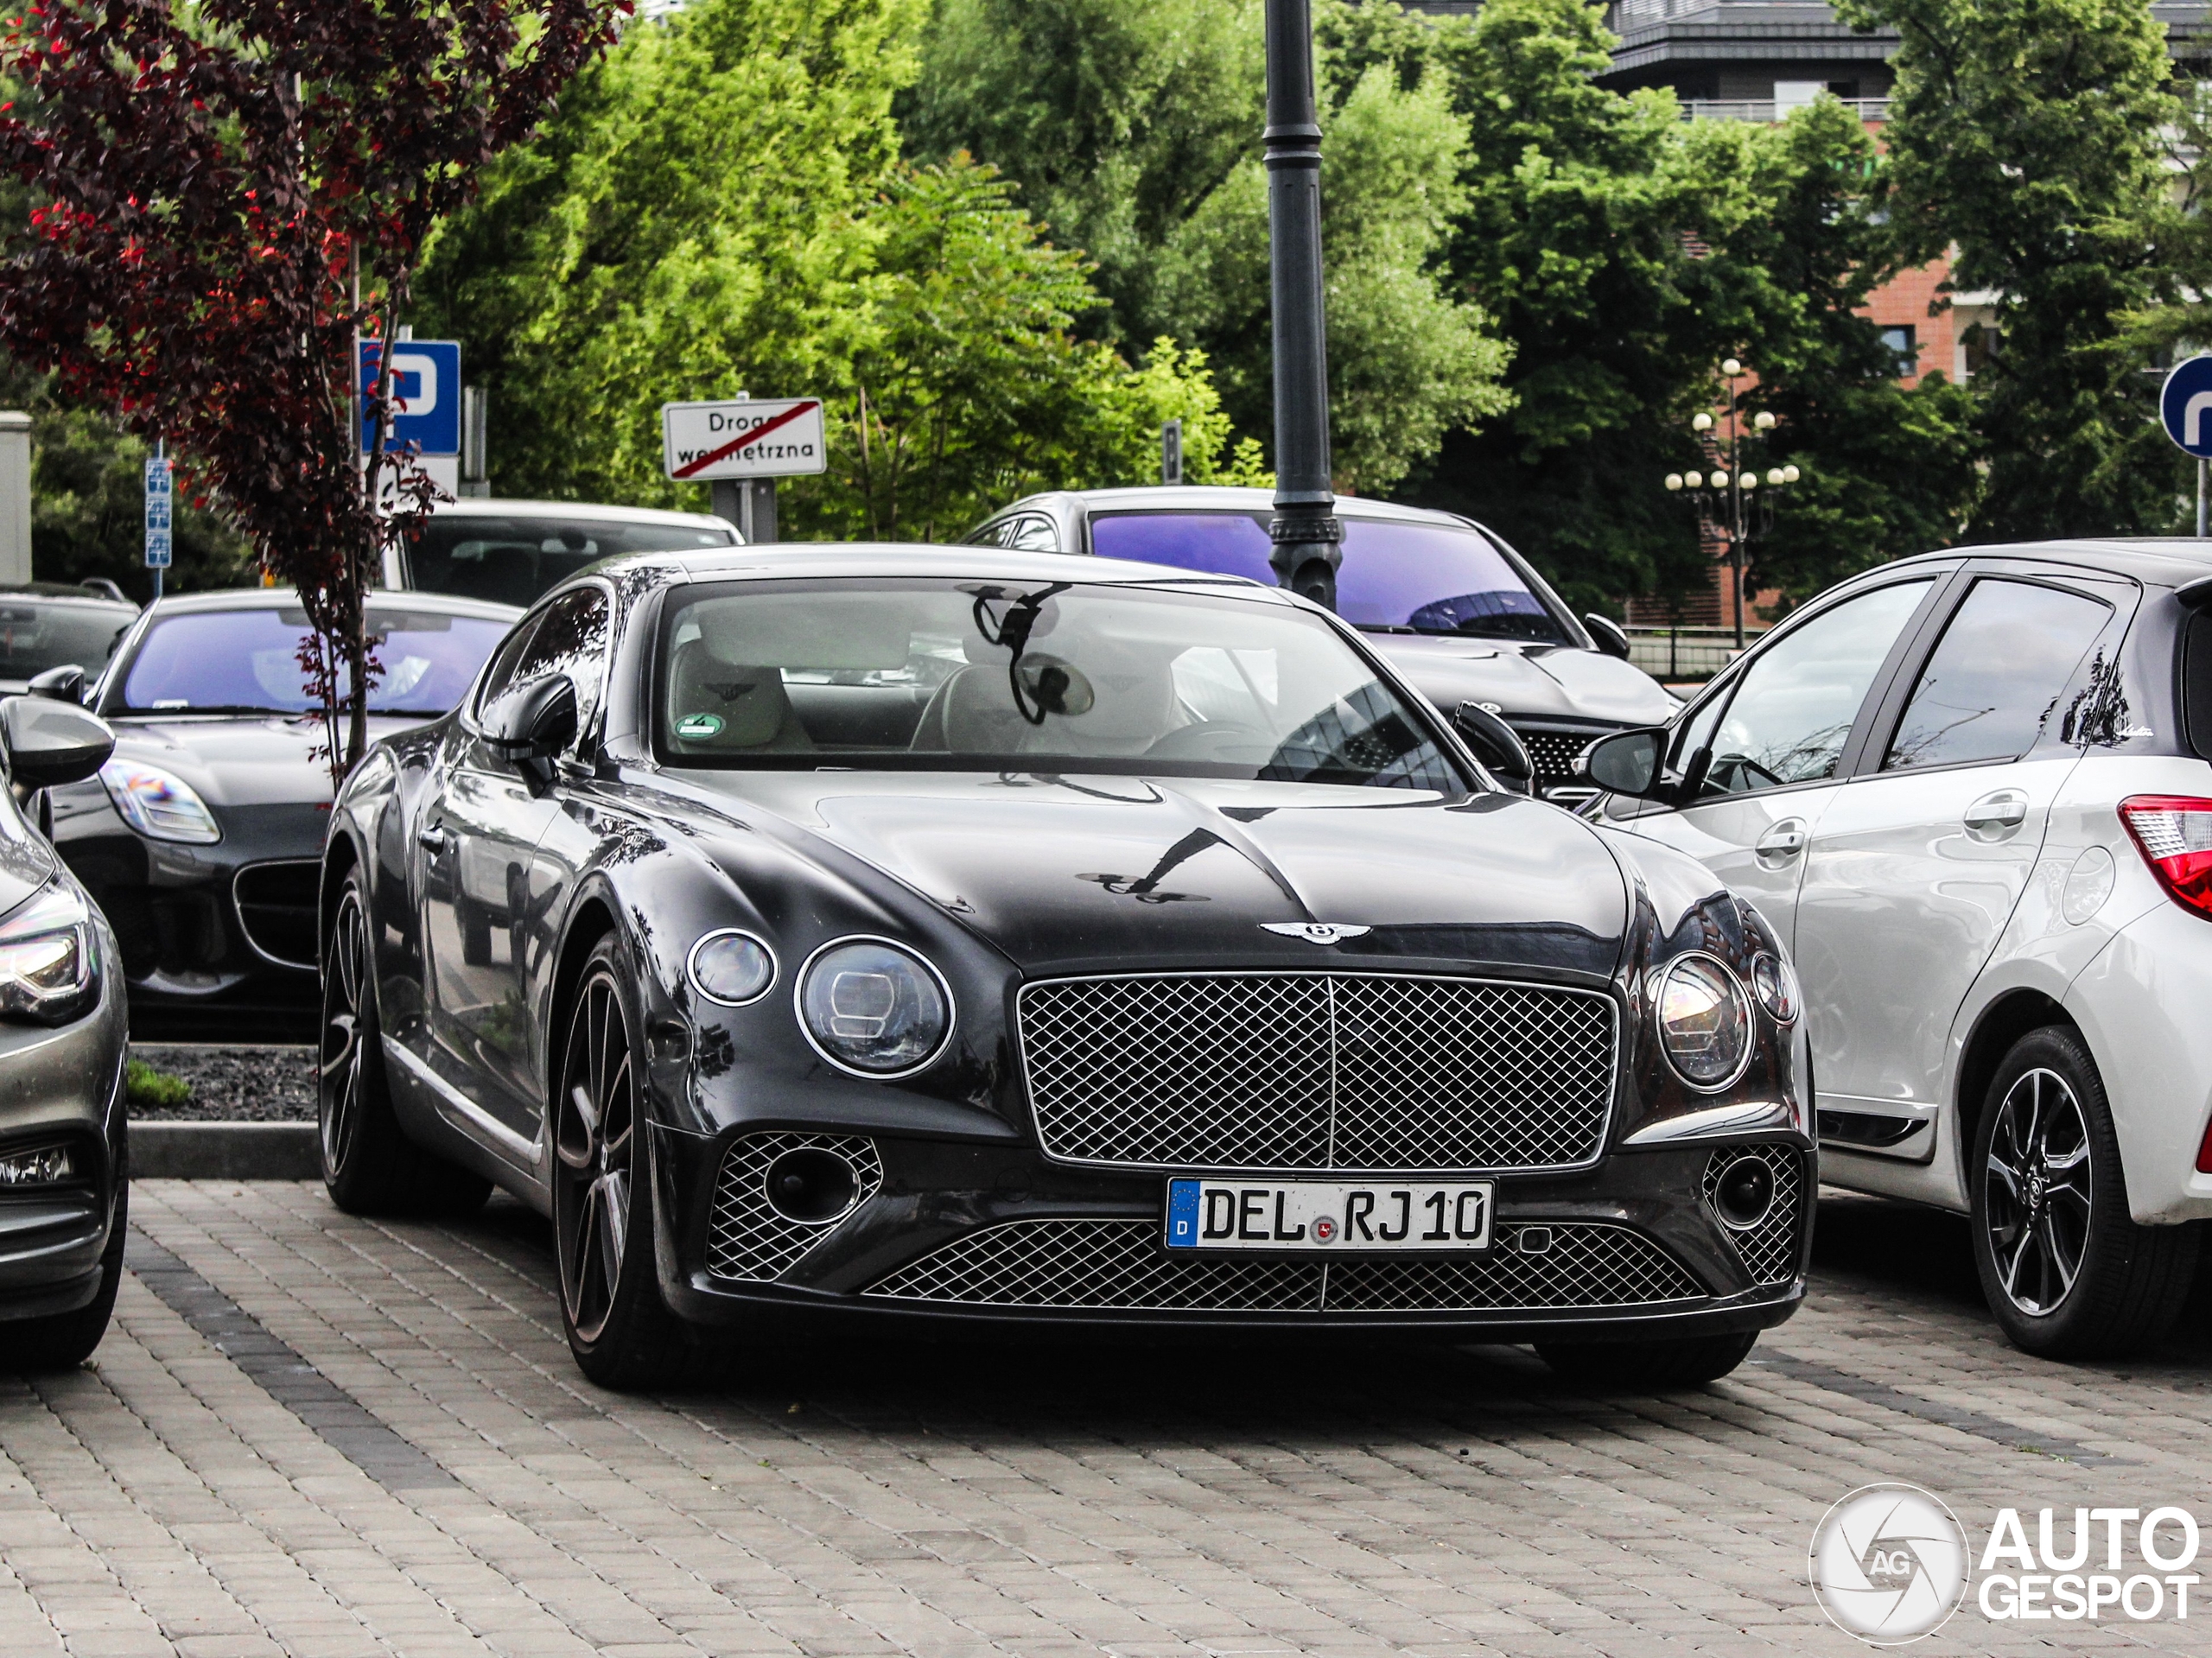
511,561
1032,676
1433,578
248,661
34,636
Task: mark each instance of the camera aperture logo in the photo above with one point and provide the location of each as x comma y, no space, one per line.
1889,1564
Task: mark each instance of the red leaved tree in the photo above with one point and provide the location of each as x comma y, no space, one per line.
224,196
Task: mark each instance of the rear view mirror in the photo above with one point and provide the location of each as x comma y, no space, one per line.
1497,745
532,721
1612,638
1626,763
49,744
63,684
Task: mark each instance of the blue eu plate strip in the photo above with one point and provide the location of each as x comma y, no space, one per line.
1182,1214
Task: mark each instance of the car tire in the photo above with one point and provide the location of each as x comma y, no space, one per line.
618,1325
62,1341
1648,1366
2064,1267
369,1164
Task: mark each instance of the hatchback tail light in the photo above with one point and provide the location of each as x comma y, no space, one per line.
2174,833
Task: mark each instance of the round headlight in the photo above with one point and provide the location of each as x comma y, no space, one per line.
732,968
1776,986
1705,1023
870,1007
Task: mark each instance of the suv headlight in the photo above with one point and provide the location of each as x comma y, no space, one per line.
874,1008
1704,1021
49,966
159,806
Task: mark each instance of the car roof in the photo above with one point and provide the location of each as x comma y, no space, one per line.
2156,561
1221,497
785,559
487,508
284,598
53,592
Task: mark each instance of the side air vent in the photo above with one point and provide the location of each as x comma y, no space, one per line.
780,1195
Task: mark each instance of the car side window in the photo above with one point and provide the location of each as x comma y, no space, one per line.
1794,703
501,673
1031,534
571,639
1993,682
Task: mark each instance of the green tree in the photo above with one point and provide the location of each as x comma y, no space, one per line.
1798,245
1116,119
2028,136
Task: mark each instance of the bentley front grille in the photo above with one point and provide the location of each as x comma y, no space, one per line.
1319,1070
1768,1247
748,1236
1119,1266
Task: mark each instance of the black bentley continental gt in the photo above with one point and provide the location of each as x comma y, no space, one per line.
965,936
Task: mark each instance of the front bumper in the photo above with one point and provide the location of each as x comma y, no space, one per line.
62,1085
227,930
995,1234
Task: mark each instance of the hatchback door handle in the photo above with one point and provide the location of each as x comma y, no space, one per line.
1995,813
432,839
1783,841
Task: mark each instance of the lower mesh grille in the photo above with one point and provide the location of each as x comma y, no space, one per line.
1119,1265
1767,1250
747,1239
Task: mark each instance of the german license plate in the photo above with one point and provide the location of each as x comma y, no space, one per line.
1330,1218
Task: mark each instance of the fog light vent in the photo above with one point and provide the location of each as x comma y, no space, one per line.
1756,1192
45,1165
780,1194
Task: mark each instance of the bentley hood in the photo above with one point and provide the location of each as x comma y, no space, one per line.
1059,873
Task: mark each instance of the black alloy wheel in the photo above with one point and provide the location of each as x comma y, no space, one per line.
369,1164
619,1329
2064,1267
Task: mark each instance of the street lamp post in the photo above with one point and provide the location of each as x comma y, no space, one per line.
1306,533
1729,503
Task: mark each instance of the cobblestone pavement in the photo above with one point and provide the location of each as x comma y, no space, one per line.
316,1435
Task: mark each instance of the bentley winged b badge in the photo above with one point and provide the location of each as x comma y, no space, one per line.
1317,932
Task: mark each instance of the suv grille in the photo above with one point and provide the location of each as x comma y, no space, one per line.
1119,1266
1553,751
1317,1071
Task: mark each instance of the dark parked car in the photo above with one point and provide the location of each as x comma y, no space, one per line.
63,1032
960,936
46,626
1461,616
201,836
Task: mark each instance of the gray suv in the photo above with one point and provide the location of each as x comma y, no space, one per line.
1457,612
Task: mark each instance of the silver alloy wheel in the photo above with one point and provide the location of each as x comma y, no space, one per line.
339,1074
2038,1202
592,1178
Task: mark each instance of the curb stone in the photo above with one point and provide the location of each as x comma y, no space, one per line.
224,1151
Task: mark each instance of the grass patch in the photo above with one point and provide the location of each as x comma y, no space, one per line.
144,1088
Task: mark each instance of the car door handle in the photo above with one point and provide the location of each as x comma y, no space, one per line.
1781,842
2005,809
432,839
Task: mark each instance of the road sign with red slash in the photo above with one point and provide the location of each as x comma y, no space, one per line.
752,437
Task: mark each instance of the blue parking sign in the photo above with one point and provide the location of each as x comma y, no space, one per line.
160,500
2185,406
426,387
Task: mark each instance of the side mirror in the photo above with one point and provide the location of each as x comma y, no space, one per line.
1626,763
1612,638
1497,745
63,684
532,721
49,744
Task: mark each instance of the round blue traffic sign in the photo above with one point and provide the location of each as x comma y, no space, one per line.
2185,406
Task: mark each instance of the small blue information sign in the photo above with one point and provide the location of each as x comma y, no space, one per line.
160,495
